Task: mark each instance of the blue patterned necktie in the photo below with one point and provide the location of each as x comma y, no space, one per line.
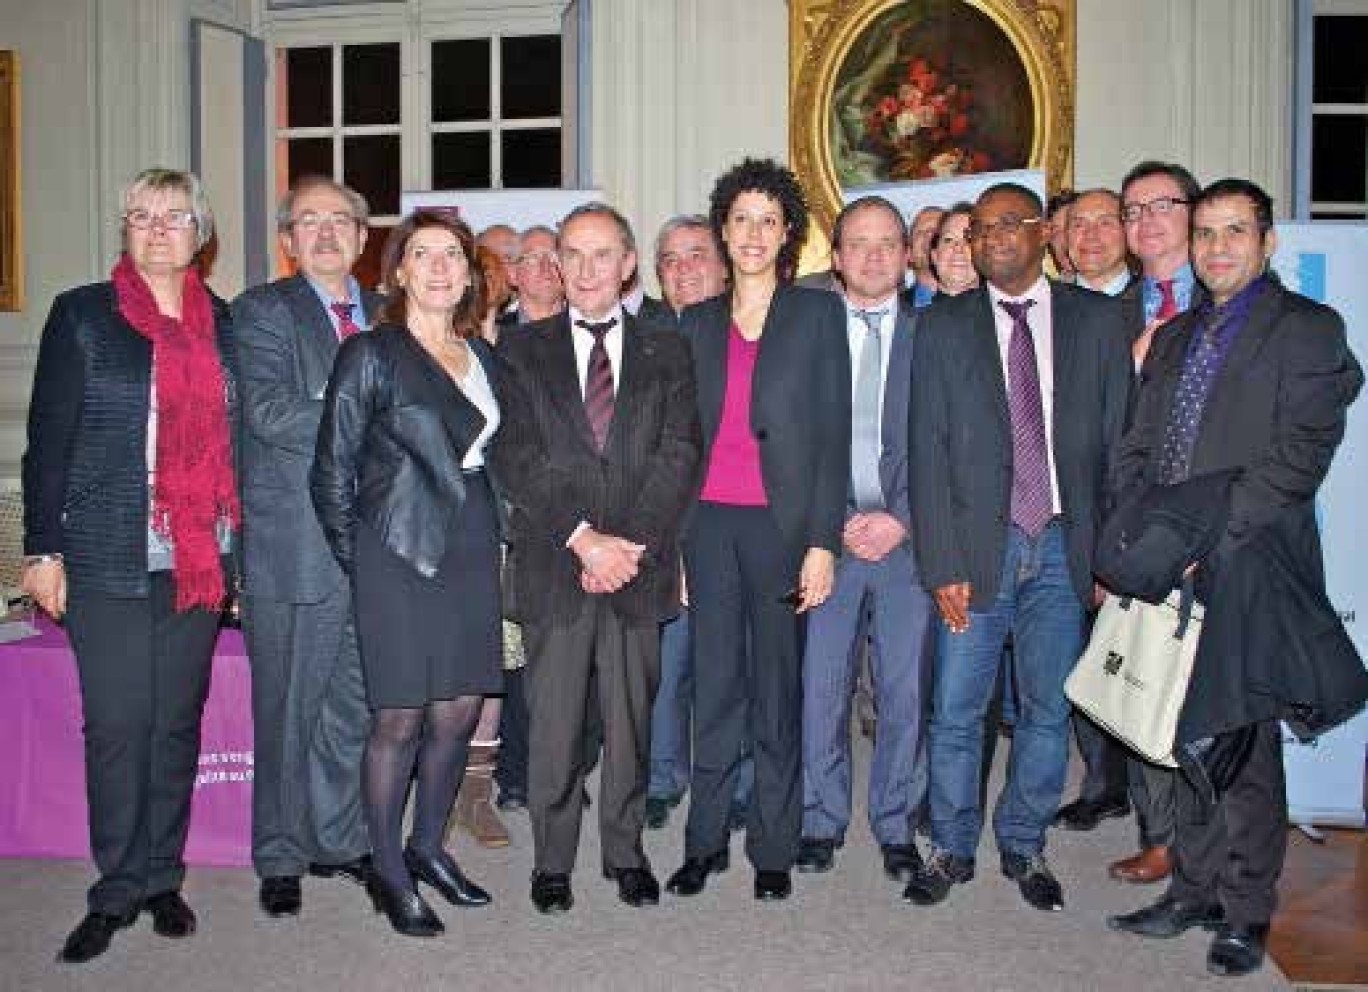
1189,399
1032,500
866,430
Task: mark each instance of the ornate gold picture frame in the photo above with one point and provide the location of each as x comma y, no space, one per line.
887,90
11,249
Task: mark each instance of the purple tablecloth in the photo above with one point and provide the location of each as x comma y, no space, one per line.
42,774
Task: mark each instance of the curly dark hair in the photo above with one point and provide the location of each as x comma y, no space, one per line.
470,310
764,175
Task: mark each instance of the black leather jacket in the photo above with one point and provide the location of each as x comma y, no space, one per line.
394,432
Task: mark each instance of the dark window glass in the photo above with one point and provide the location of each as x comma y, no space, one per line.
461,161
1339,66
1338,159
532,159
1357,216
310,157
308,75
460,80
370,84
367,268
531,81
371,166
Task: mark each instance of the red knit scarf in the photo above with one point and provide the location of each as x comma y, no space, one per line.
192,483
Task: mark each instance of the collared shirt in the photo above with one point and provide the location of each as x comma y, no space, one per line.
1113,287
857,335
584,344
353,296
1184,281
1041,320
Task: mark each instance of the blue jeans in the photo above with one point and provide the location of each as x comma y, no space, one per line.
1038,605
671,764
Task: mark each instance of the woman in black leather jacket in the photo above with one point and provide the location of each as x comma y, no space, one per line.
399,485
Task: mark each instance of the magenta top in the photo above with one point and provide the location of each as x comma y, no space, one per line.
733,475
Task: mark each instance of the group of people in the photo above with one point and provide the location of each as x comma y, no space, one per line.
703,513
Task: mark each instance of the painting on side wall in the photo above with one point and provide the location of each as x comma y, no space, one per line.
891,90
11,257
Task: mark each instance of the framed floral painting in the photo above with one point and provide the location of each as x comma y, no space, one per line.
890,90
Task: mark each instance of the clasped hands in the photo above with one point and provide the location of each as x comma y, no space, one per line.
607,563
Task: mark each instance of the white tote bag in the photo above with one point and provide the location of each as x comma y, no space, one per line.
1133,676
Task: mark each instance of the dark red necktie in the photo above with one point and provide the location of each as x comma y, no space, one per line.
598,384
346,327
1168,303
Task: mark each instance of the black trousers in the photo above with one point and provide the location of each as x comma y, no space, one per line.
144,675
1104,761
564,663
511,771
739,569
1235,856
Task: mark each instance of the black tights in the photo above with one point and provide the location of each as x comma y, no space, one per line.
437,736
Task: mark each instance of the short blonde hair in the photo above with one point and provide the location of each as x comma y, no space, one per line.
159,180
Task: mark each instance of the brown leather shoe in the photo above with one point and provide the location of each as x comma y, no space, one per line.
1153,864
475,810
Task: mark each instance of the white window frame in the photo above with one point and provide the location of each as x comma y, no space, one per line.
1307,111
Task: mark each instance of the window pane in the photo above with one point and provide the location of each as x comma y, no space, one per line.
461,161
532,158
460,80
308,87
370,84
1338,158
309,157
1358,216
1339,66
531,77
367,268
371,166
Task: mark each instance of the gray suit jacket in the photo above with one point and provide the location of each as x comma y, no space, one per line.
893,470
286,345
961,435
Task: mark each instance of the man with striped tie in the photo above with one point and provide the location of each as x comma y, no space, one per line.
308,702
1018,404
598,456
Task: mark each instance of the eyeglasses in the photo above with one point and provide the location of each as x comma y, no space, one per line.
534,259
1158,207
171,220
1008,224
309,222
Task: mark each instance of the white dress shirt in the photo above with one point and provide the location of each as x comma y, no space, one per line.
584,344
857,334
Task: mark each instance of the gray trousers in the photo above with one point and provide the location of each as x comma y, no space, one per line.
310,721
623,661
1154,791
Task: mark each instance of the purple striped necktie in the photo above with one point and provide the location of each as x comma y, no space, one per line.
598,384
1032,503
346,323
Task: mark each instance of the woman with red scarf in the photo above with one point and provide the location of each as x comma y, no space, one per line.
129,516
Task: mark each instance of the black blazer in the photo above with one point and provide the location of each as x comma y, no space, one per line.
395,429
554,476
800,406
85,468
961,435
286,349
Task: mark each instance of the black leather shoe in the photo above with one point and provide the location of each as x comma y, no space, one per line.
931,882
637,887
356,870
692,876
816,854
510,800
1237,951
444,875
407,911
658,811
773,886
552,893
1039,887
1168,918
92,936
900,861
1086,814
280,895
171,916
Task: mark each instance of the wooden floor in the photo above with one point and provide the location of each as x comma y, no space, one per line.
1320,933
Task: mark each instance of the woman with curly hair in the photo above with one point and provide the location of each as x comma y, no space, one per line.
773,373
